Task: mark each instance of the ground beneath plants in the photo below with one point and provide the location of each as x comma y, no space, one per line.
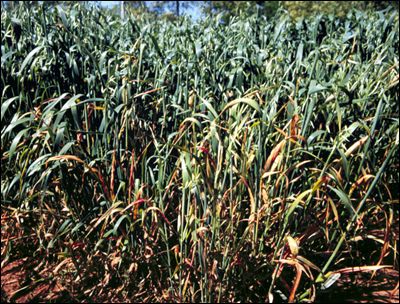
22,282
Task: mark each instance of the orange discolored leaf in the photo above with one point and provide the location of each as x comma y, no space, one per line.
112,179
360,181
356,145
293,125
296,283
274,153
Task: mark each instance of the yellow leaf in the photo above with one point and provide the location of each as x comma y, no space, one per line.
294,247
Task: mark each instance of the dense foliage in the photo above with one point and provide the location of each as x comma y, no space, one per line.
181,161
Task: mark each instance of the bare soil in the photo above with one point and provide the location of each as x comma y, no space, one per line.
22,283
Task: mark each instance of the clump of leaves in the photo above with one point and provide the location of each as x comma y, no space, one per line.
248,163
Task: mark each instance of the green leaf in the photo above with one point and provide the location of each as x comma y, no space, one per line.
15,142
119,222
247,101
6,104
296,202
28,58
315,88
344,199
